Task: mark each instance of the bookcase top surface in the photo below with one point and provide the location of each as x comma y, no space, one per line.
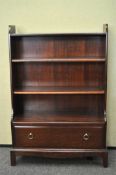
57,34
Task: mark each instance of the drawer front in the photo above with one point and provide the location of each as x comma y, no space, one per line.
81,137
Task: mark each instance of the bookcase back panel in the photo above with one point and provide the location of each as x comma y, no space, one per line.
80,75
81,104
60,46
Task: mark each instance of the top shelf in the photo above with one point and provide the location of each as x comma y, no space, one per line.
57,34
83,59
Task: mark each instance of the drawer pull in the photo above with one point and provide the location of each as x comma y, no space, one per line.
30,136
86,137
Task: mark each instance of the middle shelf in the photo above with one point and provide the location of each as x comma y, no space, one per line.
59,90
54,60
57,118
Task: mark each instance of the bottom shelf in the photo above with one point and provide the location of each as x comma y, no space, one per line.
57,118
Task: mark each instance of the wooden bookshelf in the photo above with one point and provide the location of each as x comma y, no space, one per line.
58,90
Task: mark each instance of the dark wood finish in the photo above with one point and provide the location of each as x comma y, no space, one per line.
105,159
53,46
58,88
57,119
75,75
82,59
63,153
80,137
13,158
81,104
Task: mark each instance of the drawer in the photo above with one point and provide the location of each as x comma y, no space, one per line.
80,137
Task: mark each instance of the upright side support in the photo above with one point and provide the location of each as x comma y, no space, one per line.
105,30
11,30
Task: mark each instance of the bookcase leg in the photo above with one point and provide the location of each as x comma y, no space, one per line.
105,160
13,158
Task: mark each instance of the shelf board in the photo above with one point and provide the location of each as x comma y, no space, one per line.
80,59
47,118
58,90
58,34
83,59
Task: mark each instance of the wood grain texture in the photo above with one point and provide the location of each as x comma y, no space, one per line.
61,153
53,91
79,104
60,137
59,95
57,119
75,75
52,46
80,59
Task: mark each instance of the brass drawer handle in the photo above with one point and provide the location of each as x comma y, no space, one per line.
30,136
86,137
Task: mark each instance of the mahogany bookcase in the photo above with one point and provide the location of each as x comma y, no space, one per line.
58,89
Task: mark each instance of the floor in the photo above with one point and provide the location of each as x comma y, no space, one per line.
43,166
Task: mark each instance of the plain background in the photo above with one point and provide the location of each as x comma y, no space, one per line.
56,16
